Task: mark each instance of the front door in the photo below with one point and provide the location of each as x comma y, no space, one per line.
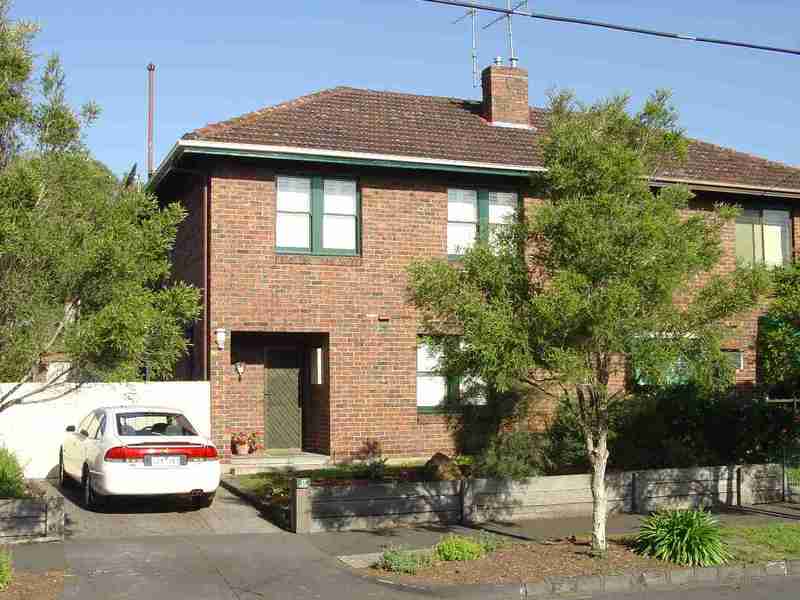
283,399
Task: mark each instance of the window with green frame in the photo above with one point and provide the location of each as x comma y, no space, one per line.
317,215
476,214
436,392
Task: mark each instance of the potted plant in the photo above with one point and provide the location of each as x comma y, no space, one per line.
245,443
253,443
239,443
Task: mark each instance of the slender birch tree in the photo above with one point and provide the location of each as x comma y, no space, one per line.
599,279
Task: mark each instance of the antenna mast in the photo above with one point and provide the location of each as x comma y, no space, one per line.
473,13
513,59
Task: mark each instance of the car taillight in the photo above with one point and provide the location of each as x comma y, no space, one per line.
136,454
124,454
202,454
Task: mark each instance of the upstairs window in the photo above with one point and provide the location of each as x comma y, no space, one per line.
476,214
764,237
317,215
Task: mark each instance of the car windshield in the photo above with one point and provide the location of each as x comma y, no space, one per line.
144,424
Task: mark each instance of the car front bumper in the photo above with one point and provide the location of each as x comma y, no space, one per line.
125,479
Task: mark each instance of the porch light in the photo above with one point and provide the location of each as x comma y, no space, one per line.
219,337
239,366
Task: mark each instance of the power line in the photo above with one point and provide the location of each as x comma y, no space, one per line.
639,30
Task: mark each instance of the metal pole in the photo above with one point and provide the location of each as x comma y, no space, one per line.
512,59
151,84
475,80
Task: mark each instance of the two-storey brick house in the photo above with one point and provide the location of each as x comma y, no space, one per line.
302,218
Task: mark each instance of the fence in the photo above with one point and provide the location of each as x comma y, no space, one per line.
473,501
34,428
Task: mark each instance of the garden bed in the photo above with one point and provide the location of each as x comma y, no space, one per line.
513,563
272,490
31,515
528,562
38,586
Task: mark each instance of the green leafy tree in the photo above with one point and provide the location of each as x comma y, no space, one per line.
779,334
591,276
84,259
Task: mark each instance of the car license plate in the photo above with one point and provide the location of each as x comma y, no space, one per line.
165,461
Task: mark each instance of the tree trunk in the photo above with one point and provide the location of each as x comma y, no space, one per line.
599,459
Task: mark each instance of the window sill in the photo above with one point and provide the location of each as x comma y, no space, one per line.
285,258
438,411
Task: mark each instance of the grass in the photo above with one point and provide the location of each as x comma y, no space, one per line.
764,542
5,569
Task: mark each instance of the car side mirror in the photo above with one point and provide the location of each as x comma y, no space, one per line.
71,429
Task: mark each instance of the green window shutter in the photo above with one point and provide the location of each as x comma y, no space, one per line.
316,214
453,388
483,215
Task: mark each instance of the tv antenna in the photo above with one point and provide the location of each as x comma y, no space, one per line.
513,59
473,14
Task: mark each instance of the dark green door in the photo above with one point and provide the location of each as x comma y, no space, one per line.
282,399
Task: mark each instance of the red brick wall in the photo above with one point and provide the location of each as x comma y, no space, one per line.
187,265
505,95
371,378
372,363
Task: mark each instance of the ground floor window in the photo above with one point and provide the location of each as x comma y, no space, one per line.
434,390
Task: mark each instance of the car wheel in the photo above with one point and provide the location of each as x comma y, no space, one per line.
204,501
63,478
91,499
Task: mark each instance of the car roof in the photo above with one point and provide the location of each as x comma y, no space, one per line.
134,408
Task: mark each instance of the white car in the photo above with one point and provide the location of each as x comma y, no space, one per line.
139,451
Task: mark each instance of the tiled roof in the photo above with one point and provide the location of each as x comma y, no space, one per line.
431,127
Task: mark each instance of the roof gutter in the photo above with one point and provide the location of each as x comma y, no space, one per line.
202,147
718,186
333,156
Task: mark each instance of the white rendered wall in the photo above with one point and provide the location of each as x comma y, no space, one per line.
35,427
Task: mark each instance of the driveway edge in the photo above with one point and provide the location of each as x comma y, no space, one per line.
631,582
275,515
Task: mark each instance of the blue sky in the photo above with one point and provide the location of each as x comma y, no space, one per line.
217,60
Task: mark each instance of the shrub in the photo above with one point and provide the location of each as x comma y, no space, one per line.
458,547
12,480
683,537
511,455
490,542
398,560
5,569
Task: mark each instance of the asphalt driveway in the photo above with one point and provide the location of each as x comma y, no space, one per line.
137,517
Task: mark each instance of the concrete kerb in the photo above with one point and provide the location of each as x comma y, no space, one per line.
565,587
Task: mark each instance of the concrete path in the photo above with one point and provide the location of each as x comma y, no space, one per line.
217,567
130,518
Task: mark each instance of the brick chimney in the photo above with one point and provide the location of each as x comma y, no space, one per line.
505,96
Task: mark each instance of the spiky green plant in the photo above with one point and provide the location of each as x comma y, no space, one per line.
683,537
